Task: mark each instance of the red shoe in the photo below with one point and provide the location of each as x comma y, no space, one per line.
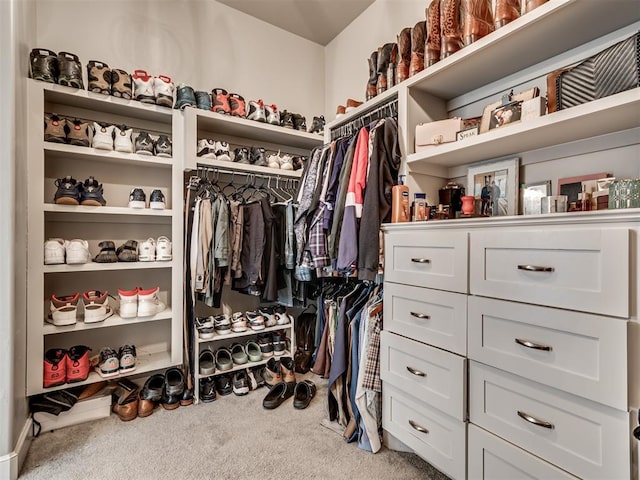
238,105
55,367
78,364
220,101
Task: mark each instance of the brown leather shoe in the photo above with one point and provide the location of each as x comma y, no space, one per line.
391,69
532,4
126,411
450,28
150,395
91,389
287,370
506,11
432,42
404,55
477,19
351,104
373,76
418,36
384,57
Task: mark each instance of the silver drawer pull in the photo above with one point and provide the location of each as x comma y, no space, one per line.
535,268
422,316
535,346
420,260
535,421
417,427
417,373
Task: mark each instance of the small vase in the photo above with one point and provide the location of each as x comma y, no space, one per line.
468,204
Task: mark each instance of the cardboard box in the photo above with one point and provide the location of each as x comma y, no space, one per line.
87,410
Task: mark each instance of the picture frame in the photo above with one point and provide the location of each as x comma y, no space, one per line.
519,97
495,187
571,186
532,196
505,115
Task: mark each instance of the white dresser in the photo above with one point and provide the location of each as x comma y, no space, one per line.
527,328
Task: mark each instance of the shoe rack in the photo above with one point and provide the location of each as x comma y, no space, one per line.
158,339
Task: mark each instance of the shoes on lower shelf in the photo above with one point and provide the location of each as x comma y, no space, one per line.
174,388
207,362
223,384
207,390
96,306
205,327
151,395
140,303
240,383
128,251
107,252
108,363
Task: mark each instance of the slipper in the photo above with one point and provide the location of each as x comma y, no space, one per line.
207,362
128,251
303,394
223,359
278,394
107,252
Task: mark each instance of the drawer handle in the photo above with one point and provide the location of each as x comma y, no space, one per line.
417,373
420,260
417,427
535,268
422,316
535,421
535,346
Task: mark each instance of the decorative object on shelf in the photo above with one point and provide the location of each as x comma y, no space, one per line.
468,204
468,133
419,210
533,108
404,55
532,194
433,34
418,37
533,4
430,134
450,197
553,204
572,186
506,114
450,27
625,193
371,90
496,186
506,11
477,20
507,100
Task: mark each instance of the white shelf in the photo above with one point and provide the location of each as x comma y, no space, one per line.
113,321
99,211
615,113
244,366
217,336
62,150
551,29
101,267
243,167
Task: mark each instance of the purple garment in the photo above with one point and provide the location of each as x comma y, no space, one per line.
348,247
334,181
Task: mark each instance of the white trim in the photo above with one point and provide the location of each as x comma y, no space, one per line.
11,464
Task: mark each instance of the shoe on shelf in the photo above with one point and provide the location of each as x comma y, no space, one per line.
287,369
103,136
148,302
340,111
286,119
163,147
256,321
207,362
127,400
256,377
238,354
221,324
143,87
317,126
43,65
272,373
163,249
352,105
69,191
163,89
279,343
206,148
256,157
54,251
277,395
303,394
282,317
174,386
187,397
286,162
203,100
185,97
121,84
69,70
128,251
108,363
107,253
240,383
151,395
298,162
207,389
156,200
147,250
78,364
256,111
80,133
205,327
55,368
223,384
55,128
77,252
96,306
222,152
220,101
253,351
127,358
265,341
299,122
98,77
91,193
274,160
237,105
63,309
224,360
269,314
272,114
137,198
241,155
144,144
123,139
238,322
128,303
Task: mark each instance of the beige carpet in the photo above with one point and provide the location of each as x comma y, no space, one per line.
230,438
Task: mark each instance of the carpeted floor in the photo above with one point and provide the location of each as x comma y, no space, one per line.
231,438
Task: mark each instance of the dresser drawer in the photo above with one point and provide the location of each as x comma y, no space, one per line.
434,436
585,270
430,316
427,259
580,353
585,438
491,458
431,375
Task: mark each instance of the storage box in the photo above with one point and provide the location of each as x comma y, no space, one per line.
534,108
87,410
431,134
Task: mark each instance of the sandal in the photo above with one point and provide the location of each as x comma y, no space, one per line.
98,77
128,251
107,253
70,70
303,393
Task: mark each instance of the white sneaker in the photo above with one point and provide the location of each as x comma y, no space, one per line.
274,160
103,136
272,114
147,250
96,306
148,302
63,310
122,141
206,148
54,251
128,303
143,87
163,89
286,162
238,322
77,251
222,151
256,111
163,249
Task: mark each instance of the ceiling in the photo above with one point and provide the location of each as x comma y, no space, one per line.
317,20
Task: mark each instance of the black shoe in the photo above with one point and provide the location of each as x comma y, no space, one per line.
278,394
137,198
223,384
241,155
298,162
187,397
144,144
185,97
92,193
207,389
286,119
299,122
257,157
43,65
156,200
240,383
107,253
173,388
128,251
69,191
303,393
150,395
162,146
70,70
203,100
317,126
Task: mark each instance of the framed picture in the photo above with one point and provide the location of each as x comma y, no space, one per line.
532,197
488,111
505,115
572,186
495,187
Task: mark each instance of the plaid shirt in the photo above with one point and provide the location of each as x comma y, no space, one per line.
317,244
371,379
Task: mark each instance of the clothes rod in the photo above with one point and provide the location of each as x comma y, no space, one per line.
388,109
264,176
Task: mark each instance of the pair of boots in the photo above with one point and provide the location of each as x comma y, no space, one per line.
382,68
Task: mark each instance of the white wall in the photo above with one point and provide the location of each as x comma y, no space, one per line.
202,43
346,65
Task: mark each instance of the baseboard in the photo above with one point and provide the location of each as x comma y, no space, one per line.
11,464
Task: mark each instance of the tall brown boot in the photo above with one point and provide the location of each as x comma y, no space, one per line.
531,4
391,70
373,76
450,27
506,11
404,55
432,43
477,19
418,36
384,57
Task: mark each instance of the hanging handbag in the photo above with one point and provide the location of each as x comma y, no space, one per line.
305,339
